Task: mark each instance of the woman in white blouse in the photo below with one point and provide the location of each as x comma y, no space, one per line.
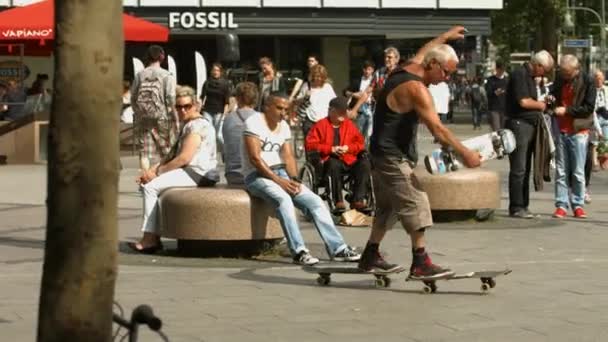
318,92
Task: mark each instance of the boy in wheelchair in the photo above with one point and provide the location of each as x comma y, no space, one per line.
336,148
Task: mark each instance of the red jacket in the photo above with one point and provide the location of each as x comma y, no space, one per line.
321,138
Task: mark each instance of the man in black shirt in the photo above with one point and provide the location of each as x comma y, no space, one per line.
523,112
496,88
403,102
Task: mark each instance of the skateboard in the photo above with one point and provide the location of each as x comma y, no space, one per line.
493,145
326,270
486,277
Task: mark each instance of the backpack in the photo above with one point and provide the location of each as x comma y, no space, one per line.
149,98
476,96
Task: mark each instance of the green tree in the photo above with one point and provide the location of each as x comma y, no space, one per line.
79,272
527,24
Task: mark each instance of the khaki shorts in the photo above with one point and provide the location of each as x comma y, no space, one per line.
399,195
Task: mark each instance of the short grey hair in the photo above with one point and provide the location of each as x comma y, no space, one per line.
569,61
544,59
392,50
598,72
442,53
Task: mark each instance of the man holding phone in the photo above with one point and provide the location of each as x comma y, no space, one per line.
270,173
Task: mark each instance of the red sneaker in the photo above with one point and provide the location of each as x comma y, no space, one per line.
579,213
560,213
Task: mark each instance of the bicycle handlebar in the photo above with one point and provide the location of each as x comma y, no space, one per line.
143,314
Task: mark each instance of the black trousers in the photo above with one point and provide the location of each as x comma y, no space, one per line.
520,161
360,171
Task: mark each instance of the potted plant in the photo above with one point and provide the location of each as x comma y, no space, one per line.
602,154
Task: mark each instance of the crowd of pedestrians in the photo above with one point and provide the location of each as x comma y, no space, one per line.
372,122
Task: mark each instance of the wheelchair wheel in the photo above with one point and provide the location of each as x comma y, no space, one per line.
298,141
307,176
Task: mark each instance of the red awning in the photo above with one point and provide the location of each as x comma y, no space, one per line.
36,22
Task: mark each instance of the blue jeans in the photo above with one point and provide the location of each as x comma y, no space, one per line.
476,113
604,125
365,121
217,119
309,203
570,156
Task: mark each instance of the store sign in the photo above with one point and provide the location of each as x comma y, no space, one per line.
202,20
25,34
13,70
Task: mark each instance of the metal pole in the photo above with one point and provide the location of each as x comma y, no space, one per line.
600,18
603,36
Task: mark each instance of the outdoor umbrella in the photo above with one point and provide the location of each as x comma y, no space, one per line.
37,22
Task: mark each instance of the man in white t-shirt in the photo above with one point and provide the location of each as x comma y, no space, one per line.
441,98
271,173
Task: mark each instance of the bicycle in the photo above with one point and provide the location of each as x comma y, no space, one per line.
142,314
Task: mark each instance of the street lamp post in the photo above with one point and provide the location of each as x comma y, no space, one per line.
602,20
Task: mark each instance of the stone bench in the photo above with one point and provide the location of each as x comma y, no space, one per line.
462,194
218,221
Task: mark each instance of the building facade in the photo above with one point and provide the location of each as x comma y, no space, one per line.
343,33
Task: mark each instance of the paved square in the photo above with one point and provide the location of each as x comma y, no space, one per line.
558,290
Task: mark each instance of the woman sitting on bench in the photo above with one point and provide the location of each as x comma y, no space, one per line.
191,163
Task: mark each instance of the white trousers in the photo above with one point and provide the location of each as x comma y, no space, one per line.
151,190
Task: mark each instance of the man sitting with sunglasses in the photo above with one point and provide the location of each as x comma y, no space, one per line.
338,144
271,173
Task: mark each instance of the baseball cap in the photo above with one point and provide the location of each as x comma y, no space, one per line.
339,103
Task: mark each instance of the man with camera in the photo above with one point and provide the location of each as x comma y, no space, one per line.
523,110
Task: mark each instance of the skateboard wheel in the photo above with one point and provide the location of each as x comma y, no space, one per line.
387,282
323,281
485,287
430,287
492,283
380,282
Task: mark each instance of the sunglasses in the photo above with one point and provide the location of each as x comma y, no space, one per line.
186,106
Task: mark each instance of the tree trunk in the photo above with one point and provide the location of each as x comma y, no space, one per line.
548,27
79,271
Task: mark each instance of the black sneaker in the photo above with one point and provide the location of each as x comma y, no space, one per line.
428,270
347,254
373,261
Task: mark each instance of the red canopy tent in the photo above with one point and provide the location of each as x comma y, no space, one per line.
37,22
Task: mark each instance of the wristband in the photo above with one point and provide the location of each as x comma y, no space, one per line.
295,179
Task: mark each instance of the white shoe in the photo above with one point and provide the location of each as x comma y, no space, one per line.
587,198
304,258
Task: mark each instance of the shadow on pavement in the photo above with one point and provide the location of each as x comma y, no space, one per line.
364,285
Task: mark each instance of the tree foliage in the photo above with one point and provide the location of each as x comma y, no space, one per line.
525,25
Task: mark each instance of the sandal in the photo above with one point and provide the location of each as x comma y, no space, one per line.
145,250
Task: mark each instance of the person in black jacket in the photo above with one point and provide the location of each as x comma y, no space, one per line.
574,94
496,88
523,111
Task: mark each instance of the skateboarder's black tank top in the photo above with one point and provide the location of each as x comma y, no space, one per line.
394,134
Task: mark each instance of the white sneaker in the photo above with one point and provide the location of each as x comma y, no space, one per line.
304,258
587,198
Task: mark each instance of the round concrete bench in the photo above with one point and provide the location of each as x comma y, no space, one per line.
218,221
461,194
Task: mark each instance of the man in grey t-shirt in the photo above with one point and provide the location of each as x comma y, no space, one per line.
234,124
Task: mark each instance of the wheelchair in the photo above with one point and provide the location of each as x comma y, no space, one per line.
312,176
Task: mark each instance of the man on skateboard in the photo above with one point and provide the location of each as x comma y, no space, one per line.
404,100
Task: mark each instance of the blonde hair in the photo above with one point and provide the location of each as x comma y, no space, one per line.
442,53
318,70
185,91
